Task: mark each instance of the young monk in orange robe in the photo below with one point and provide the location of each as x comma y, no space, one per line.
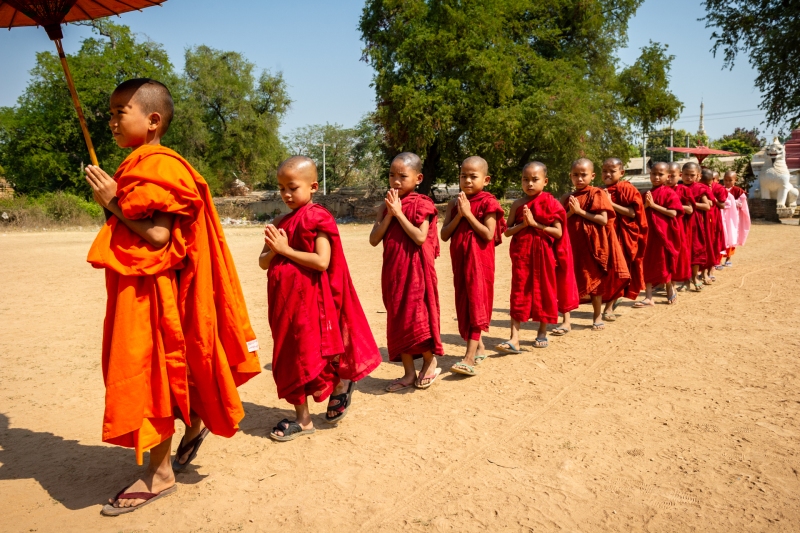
683,270
407,226
177,340
630,225
321,337
600,269
476,222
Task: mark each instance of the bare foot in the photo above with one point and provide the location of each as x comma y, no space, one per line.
401,383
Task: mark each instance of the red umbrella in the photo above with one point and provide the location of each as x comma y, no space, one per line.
51,14
701,152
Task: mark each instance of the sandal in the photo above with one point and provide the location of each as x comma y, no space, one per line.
673,300
507,348
642,304
540,342
728,264
480,358
463,369
290,430
616,304
609,317
719,267
194,446
418,384
598,326
697,286
399,381
559,331
148,497
342,407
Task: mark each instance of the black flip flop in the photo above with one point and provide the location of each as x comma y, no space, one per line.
344,400
194,446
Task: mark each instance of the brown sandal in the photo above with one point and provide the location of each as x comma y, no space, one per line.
148,497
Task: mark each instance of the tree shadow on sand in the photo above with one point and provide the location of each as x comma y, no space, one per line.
76,475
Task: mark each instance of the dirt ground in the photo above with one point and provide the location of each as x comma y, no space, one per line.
674,419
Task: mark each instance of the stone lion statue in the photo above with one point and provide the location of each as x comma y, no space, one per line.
773,181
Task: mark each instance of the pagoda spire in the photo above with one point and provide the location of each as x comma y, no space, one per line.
701,131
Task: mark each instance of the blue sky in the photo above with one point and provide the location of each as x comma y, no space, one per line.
315,43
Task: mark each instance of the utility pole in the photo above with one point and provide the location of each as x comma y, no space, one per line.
671,145
644,153
324,180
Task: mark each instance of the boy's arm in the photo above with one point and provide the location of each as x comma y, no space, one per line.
394,207
451,220
277,240
672,213
512,215
688,209
597,218
265,259
622,210
484,231
555,231
703,204
382,221
156,230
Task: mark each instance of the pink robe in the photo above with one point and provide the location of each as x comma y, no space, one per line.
736,218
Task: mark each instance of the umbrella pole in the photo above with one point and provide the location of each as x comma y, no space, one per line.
76,102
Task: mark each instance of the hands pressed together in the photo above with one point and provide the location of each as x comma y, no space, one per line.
394,206
648,199
575,207
527,218
276,239
103,186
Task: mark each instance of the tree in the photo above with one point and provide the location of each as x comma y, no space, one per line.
644,88
767,31
511,80
658,141
742,141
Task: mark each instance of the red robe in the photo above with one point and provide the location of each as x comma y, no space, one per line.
631,233
176,337
315,316
472,259
542,272
683,271
665,237
600,267
699,223
720,194
737,191
409,283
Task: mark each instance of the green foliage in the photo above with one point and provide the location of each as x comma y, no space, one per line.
767,31
658,141
742,141
49,209
511,80
644,88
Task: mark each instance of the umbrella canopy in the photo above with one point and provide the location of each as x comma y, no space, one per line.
51,14
701,152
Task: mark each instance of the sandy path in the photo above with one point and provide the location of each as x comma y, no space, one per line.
674,419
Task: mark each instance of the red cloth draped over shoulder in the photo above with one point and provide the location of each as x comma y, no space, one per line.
631,233
473,264
699,222
542,274
665,237
600,267
683,270
176,334
409,283
737,192
315,316
720,194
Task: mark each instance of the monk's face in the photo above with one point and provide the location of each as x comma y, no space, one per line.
612,173
297,184
659,174
582,175
472,178
403,178
674,177
689,176
730,180
129,123
715,179
534,180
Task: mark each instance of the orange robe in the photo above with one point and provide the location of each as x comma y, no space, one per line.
176,336
631,233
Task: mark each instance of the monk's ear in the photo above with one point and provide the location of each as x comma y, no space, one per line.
153,121
314,186
488,179
419,178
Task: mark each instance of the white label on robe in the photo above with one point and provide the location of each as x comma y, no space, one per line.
252,345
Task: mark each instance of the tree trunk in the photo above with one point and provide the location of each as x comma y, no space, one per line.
429,166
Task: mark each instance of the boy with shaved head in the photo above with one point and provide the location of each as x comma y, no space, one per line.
716,239
322,343
690,175
683,268
600,270
630,225
177,340
475,221
719,200
406,224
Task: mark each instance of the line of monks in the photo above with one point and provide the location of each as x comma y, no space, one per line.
177,340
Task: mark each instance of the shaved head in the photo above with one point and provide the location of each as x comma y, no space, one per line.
691,166
707,175
411,160
674,166
660,164
536,165
730,173
616,161
153,97
301,165
583,161
478,162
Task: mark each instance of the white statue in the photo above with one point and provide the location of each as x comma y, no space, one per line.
773,180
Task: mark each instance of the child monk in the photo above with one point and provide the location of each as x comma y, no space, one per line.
322,343
713,227
542,275
630,225
665,235
701,256
177,340
407,226
600,270
736,217
683,269
720,196
475,221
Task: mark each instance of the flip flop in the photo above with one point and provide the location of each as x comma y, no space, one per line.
398,381
148,497
673,300
463,369
480,358
290,430
609,317
431,378
559,331
641,304
194,445
341,409
598,326
616,304
540,342
728,264
507,348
